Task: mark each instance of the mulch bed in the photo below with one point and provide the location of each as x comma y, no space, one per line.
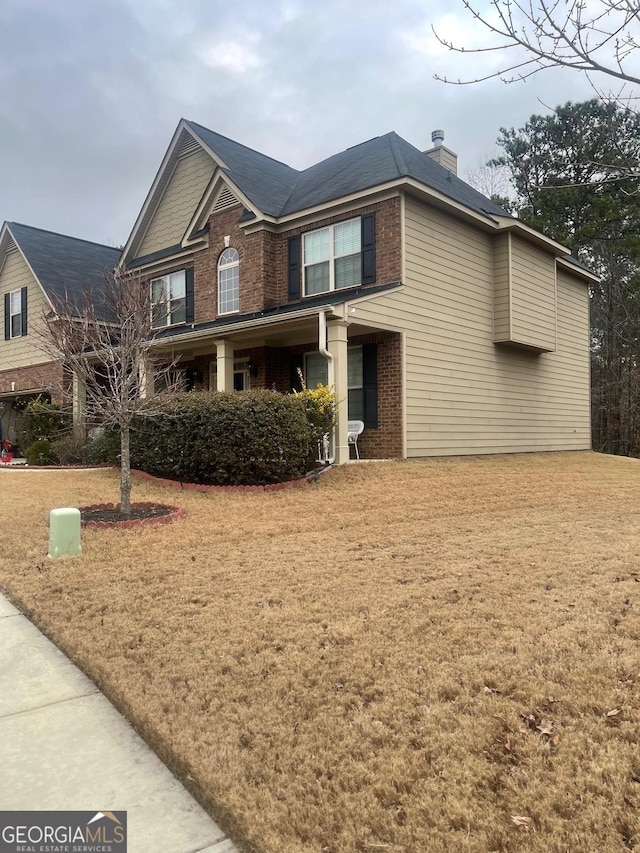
110,515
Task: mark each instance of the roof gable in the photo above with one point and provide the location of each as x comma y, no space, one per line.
278,190
181,196
267,187
65,267
266,183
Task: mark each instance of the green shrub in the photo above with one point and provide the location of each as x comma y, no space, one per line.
248,438
103,447
43,420
40,453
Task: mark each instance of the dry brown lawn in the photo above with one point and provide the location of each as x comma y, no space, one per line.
403,657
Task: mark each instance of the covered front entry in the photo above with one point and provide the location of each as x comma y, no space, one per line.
363,364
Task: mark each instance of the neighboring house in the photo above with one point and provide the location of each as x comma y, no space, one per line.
36,269
446,325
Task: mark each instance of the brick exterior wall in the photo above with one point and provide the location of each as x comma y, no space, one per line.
385,442
263,258
263,285
388,243
274,373
47,376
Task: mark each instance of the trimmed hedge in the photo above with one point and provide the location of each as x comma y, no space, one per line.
249,438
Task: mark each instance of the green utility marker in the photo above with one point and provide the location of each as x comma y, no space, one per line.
64,532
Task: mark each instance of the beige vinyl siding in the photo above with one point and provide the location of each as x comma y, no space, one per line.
501,285
463,393
524,294
178,203
533,295
22,351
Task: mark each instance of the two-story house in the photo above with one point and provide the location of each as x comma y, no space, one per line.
37,268
446,325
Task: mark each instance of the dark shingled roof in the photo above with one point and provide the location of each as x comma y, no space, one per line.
278,190
66,267
266,182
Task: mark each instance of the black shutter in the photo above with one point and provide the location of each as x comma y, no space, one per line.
7,316
296,362
370,385
368,248
294,267
188,289
23,306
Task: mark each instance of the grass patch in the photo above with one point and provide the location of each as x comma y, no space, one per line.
401,657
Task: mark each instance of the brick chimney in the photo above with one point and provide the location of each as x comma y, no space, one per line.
446,158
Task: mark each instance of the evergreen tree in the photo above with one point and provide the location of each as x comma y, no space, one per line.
573,177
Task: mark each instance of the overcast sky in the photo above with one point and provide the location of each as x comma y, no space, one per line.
91,92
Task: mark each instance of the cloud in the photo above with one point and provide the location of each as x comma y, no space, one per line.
92,92
234,57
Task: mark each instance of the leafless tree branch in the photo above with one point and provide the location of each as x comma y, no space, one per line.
105,338
564,33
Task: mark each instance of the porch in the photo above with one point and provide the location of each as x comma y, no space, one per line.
363,364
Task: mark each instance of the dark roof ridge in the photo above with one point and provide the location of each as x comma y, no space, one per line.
239,144
402,167
65,236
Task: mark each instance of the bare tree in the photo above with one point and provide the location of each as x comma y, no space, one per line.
600,38
491,178
106,339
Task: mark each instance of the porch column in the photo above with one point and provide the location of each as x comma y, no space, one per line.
337,346
79,405
224,365
147,383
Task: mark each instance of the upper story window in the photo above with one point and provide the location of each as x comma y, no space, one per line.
15,314
332,257
169,299
228,282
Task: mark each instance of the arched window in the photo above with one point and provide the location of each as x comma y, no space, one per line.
228,282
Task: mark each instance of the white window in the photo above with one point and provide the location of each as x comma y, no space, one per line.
332,258
15,312
169,300
229,282
241,376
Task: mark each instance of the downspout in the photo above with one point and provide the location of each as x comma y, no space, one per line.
322,348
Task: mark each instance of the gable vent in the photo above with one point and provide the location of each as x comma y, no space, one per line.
10,246
225,199
189,147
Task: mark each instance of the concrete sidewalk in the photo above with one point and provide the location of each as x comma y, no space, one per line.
63,746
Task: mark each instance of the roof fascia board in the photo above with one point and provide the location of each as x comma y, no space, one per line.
321,211
427,193
31,270
566,265
392,188
224,332
526,232
207,202
213,154
135,236
157,264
